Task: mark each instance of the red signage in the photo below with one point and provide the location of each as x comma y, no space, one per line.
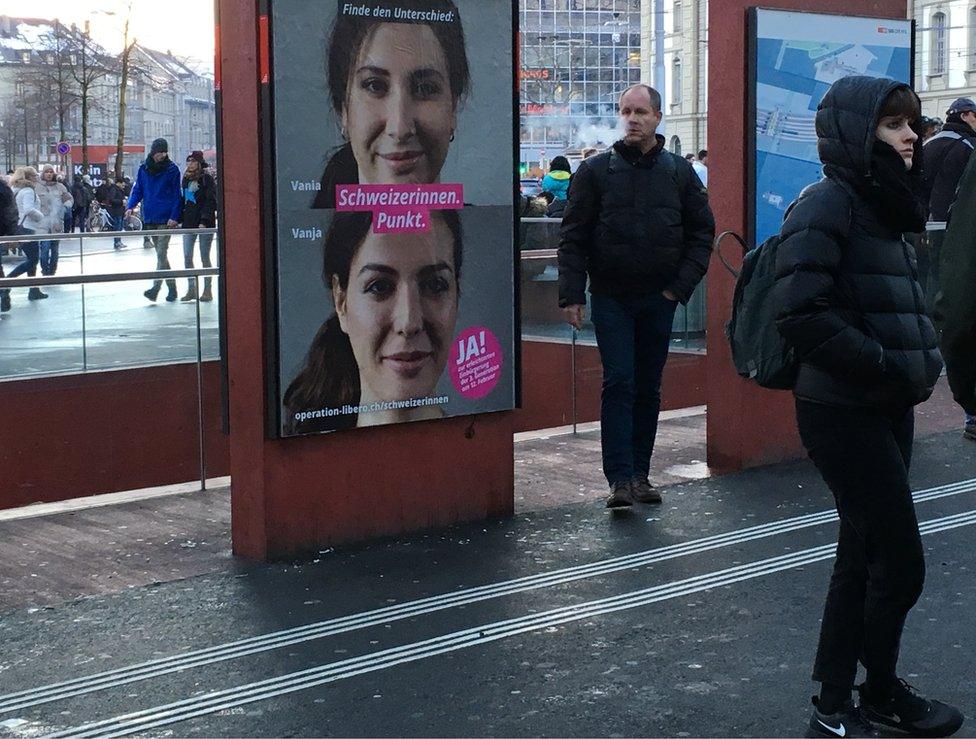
547,109
536,74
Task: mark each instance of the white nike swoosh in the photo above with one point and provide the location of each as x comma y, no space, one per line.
841,732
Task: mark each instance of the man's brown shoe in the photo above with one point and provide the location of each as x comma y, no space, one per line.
644,492
621,495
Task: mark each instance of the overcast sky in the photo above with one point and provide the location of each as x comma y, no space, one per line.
183,26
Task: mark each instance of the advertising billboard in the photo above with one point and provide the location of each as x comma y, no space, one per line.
390,155
794,58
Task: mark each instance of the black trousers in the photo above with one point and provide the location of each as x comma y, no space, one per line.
864,455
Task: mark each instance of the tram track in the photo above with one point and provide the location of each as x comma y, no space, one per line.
152,669
231,698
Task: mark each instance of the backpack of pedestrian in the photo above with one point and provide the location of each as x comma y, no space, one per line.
850,306
759,351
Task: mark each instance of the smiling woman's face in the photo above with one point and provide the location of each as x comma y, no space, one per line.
399,311
399,113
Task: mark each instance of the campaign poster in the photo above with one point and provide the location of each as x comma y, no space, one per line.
392,170
794,59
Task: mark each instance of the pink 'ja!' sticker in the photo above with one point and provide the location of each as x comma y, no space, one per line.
476,362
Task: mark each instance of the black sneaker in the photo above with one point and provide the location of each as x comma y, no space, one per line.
907,711
621,495
644,492
969,432
847,722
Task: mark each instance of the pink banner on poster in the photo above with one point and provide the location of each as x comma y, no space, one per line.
399,208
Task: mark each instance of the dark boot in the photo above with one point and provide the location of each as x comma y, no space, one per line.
207,295
4,301
621,495
152,293
36,294
191,293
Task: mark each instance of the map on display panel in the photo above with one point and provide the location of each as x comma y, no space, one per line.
798,56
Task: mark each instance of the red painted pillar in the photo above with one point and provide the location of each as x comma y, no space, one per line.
297,495
747,426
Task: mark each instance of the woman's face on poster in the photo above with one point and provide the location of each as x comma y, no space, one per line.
400,114
399,311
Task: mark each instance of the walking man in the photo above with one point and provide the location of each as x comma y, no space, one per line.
637,222
158,189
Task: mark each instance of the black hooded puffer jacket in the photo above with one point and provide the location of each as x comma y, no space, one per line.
847,293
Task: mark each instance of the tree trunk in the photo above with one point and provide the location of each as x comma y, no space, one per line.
119,150
84,129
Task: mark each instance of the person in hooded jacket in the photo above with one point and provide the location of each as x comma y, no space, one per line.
158,189
849,303
557,179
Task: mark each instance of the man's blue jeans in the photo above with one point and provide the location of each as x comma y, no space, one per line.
49,257
633,335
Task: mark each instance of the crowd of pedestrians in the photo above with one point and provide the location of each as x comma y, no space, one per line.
46,207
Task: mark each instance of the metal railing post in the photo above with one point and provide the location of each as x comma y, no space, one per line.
84,311
573,366
200,421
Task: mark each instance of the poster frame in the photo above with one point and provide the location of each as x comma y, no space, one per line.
267,155
752,72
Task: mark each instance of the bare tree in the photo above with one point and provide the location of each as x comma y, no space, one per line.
92,66
51,80
127,69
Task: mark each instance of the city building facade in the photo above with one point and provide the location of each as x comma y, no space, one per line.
576,57
40,103
945,52
681,74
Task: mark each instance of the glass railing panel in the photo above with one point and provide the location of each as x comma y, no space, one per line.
41,337
124,328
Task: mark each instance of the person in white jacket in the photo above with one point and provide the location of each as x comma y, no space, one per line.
54,198
30,220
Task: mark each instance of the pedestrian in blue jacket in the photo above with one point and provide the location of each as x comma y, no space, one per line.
158,189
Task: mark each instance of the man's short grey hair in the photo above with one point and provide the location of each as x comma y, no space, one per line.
653,94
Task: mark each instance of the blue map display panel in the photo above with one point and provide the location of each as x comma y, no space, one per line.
798,56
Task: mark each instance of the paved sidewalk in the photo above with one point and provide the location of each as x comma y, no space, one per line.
695,618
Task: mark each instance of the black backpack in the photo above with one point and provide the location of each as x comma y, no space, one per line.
759,352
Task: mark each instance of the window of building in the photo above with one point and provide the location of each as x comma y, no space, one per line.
675,145
676,86
938,62
678,20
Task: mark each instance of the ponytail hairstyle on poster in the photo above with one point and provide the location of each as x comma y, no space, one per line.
329,377
349,33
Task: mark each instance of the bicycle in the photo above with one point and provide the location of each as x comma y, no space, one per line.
99,220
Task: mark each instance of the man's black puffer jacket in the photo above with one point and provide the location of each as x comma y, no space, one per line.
637,224
847,293
945,161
